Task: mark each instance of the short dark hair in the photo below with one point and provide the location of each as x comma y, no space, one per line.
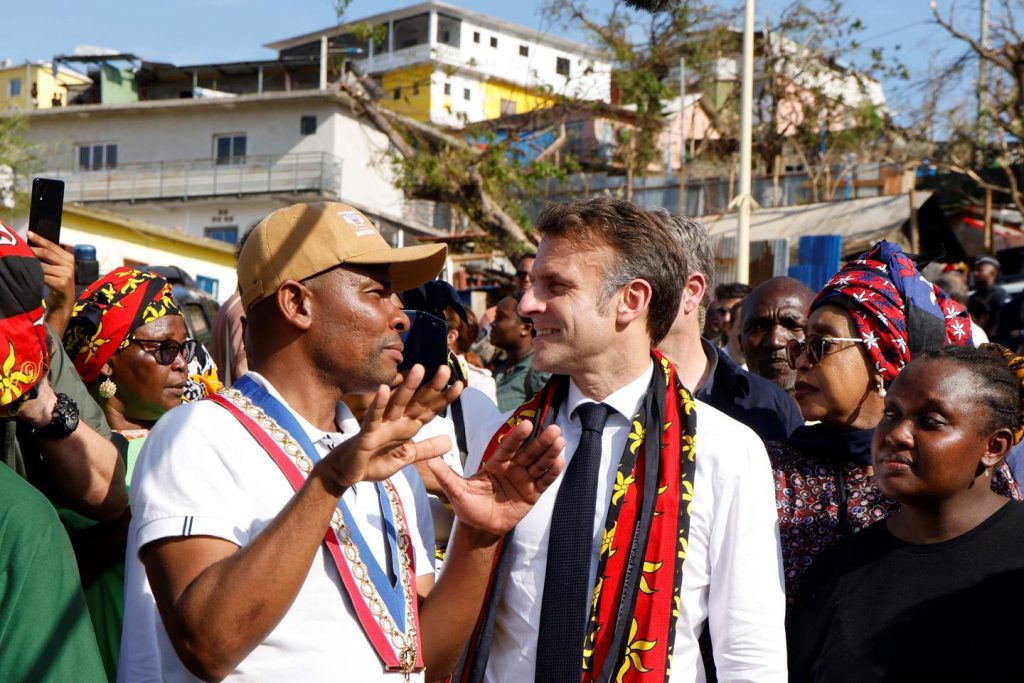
731,290
995,384
644,249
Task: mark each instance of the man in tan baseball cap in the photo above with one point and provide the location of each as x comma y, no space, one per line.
303,240
280,542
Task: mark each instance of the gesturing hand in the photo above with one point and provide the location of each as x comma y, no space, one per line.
384,444
508,484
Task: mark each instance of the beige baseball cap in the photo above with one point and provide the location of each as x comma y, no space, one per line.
303,240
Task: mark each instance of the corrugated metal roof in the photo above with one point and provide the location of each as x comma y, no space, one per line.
860,222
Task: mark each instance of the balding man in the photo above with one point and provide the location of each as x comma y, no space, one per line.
774,313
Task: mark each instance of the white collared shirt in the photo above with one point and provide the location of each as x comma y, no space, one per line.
732,577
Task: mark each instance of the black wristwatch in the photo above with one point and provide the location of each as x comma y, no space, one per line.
64,422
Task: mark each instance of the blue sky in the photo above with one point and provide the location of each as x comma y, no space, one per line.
194,31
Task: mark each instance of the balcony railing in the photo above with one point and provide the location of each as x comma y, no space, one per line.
315,172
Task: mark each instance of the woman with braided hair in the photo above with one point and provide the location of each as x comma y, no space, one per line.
924,595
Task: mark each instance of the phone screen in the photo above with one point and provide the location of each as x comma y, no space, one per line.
426,343
47,210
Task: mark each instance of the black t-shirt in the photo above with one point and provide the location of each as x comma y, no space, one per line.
878,609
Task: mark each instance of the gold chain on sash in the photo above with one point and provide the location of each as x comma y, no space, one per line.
404,643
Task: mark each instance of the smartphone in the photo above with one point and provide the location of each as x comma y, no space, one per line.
426,343
47,209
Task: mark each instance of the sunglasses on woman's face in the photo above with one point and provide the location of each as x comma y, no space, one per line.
814,346
166,350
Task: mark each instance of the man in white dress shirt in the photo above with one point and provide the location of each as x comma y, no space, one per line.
606,287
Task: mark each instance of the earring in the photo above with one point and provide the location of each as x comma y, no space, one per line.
881,387
107,389
988,472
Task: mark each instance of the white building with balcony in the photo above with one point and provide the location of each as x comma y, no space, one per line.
213,167
451,66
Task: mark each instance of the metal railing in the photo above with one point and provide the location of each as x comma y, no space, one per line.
316,172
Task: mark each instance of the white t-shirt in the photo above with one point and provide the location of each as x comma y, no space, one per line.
732,577
201,473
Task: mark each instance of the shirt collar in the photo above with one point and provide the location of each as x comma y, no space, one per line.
316,435
625,400
345,419
711,353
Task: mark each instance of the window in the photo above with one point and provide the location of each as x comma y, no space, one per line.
210,285
562,66
465,94
447,88
95,157
307,125
494,41
412,31
224,233
449,30
14,87
229,149
397,94
524,51
476,36
508,107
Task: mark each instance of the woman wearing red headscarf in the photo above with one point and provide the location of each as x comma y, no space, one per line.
865,325
128,341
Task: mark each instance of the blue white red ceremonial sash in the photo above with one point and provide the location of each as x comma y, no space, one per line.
387,611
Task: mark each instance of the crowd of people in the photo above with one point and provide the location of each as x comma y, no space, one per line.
618,472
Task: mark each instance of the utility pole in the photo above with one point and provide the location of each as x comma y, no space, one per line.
681,202
981,123
744,198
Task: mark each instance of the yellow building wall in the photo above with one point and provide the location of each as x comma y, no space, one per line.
526,100
414,84
46,86
117,244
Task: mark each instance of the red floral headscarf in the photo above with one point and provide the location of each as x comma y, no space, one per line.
109,311
23,352
897,312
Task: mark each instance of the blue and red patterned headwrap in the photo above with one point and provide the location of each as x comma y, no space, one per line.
897,312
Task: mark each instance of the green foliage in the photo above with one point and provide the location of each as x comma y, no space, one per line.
19,155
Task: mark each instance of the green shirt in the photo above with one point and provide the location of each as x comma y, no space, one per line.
45,631
516,383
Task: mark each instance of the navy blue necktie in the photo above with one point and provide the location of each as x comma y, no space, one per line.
565,609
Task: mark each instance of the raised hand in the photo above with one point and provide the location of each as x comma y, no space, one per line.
384,444
506,487
59,276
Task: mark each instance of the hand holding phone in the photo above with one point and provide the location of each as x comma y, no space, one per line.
47,208
59,277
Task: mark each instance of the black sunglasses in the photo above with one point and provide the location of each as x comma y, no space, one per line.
814,347
166,350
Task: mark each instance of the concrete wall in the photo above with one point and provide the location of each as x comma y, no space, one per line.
116,243
182,133
272,126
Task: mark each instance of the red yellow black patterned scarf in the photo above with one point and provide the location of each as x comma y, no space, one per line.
107,313
635,606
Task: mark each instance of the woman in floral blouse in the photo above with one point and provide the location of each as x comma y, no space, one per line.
865,325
